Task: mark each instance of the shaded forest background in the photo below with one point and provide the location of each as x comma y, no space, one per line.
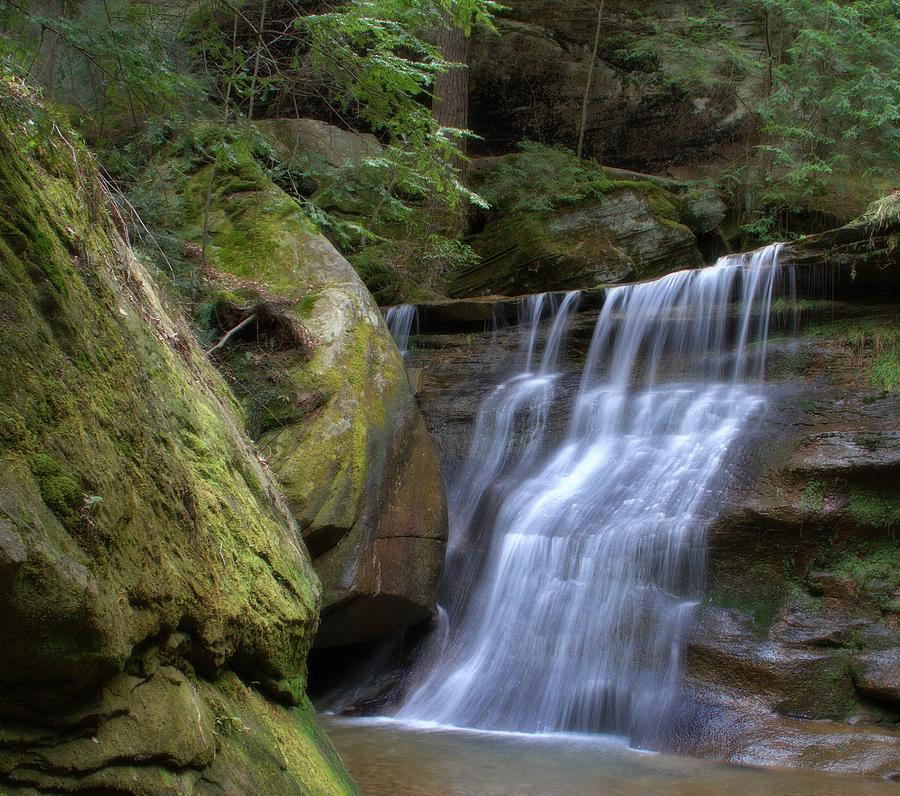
812,139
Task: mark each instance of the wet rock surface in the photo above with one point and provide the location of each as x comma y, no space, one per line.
794,649
860,258
837,451
877,675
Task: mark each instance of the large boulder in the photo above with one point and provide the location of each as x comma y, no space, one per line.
328,163
614,241
155,597
335,419
296,140
557,223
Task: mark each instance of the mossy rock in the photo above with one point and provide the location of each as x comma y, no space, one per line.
145,551
302,139
340,427
576,228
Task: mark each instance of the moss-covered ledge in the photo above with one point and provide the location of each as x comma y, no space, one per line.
862,257
558,223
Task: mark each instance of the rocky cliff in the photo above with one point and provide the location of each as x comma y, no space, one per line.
157,603
557,223
801,614
528,79
793,656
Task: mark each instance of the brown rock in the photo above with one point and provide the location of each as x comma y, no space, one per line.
877,675
528,82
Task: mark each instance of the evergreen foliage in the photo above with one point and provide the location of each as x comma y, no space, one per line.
825,98
834,103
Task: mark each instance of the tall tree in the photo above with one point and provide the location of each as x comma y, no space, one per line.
833,103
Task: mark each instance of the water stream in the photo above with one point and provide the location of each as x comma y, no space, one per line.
389,758
575,559
400,321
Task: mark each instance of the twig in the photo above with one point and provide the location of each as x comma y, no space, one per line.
228,335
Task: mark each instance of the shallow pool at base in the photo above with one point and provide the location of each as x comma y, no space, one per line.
388,758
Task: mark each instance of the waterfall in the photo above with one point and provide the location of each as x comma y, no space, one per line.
400,321
575,559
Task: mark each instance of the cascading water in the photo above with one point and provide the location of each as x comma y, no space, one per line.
574,563
400,321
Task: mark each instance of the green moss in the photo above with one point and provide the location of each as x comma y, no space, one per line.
14,433
272,749
761,608
541,179
886,371
101,395
319,415
662,203
826,692
246,224
25,228
267,386
306,305
60,492
813,496
873,508
874,569
798,597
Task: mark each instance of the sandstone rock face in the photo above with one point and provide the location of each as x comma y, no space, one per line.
528,82
147,556
877,675
801,614
327,157
862,257
338,423
557,223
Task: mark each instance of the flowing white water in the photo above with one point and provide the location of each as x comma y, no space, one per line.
400,321
574,564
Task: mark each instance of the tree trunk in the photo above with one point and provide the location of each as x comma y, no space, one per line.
451,89
451,109
590,79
